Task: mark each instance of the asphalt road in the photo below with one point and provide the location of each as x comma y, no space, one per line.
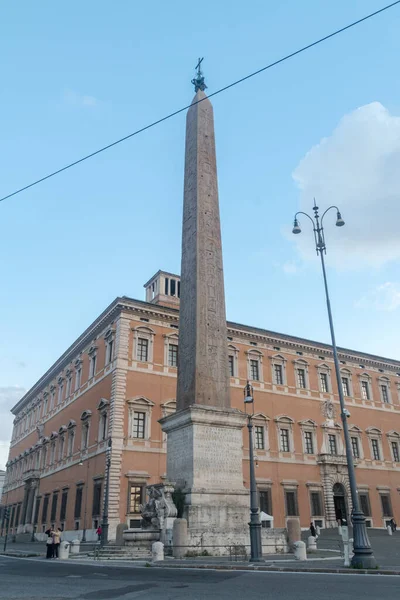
37,579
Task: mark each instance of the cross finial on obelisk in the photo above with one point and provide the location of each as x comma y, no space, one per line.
198,81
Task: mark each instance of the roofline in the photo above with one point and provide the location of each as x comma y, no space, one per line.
121,302
158,273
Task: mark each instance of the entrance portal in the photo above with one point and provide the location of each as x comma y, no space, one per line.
339,498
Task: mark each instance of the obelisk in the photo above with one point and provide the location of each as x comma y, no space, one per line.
204,443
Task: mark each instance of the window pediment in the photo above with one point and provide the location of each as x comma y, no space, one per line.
60,380
62,429
78,363
71,424
86,415
308,423
393,434
284,419
278,358
92,350
261,416
109,334
323,367
373,431
355,429
140,401
141,329
169,404
104,403
53,435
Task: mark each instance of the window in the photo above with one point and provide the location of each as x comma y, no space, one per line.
259,431
386,505
52,398
332,444
96,499
254,370
92,366
364,503
63,509
60,392
45,508
231,365
172,355
85,435
291,503
278,374
78,502
264,497
375,449
135,498
54,506
103,426
345,386
324,382
44,456
385,394
69,386
109,350
78,377
139,420
61,448
355,447
365,390
316,504
71,439
301,378
395,451
308,442
142,349
52,453
285,447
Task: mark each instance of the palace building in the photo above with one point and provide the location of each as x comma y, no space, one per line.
118,379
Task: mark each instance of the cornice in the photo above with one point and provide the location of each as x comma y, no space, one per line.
124,304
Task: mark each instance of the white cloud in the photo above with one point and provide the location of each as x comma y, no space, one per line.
77,99
9,396
385,297
290,267
356,168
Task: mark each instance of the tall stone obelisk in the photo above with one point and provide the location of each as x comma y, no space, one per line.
204,443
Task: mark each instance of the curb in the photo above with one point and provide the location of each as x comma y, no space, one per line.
277,569
21,554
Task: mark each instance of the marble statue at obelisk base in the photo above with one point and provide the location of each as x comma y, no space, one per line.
204,436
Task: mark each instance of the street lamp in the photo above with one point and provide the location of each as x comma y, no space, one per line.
363,554
104,525
255,525
86,494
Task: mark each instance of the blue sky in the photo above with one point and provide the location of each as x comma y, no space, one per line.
77,75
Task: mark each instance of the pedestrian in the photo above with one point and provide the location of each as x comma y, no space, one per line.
313,530
49,544
56,542
393,524
99,531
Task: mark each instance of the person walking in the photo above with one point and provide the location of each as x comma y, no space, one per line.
393,524
49,544
313,531
56,542
99,531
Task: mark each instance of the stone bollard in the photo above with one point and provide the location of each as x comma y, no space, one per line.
300,552
179,538
75,547
63,552
389,530
294,532
312,543
157,551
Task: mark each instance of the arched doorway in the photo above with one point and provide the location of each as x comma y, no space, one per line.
339,499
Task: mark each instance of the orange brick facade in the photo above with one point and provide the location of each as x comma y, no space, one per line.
119,378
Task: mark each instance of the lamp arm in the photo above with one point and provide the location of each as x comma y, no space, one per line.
333,206
306,215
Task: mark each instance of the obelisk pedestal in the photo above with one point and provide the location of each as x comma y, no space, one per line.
204,436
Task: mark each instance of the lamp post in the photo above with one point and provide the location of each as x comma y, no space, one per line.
104,525
363,554
255,525
86,495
